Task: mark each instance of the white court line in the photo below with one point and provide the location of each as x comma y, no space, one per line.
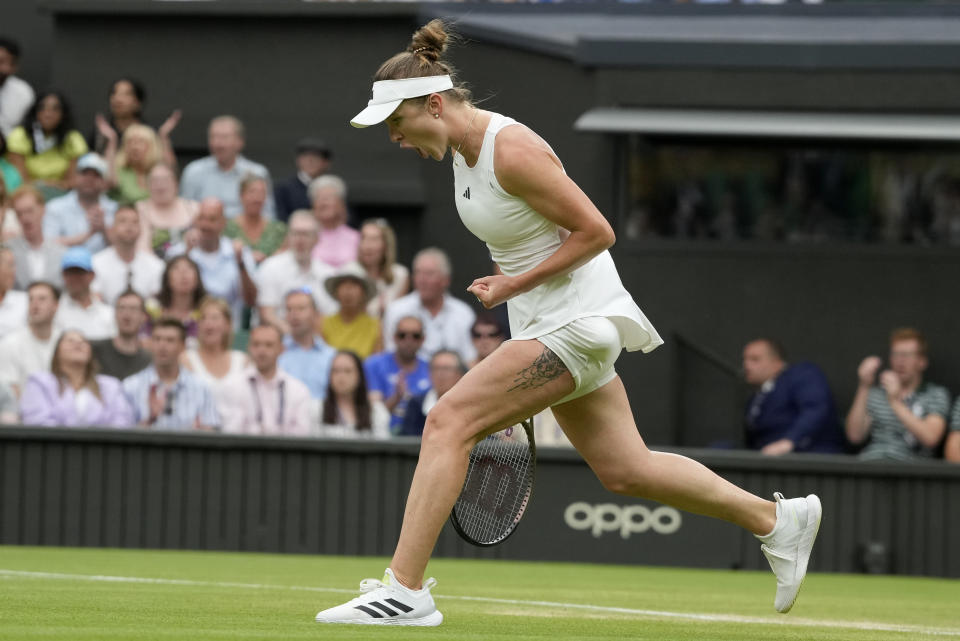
690,616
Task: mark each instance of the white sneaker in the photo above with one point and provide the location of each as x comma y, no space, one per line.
387,602
788,546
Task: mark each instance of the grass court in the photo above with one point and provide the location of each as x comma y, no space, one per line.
121,595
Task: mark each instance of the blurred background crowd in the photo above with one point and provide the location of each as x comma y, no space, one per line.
141,292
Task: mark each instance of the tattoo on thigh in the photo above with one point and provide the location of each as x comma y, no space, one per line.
544,369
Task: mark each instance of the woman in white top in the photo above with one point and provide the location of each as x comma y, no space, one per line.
212,360
164,216
377,256
347,411
570,317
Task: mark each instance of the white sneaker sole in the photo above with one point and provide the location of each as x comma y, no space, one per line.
805,546
433,619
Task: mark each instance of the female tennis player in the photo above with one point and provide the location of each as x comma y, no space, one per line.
569,316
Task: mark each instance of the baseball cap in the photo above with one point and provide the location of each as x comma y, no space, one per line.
77,258
92,161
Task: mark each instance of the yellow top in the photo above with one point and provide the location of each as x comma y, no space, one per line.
360,336
53,163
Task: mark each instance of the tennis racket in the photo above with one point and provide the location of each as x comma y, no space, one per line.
498,486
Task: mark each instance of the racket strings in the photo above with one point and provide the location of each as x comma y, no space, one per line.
497,486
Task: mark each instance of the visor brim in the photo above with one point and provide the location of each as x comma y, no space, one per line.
375,114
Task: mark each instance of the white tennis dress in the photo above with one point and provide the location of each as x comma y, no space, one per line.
519,239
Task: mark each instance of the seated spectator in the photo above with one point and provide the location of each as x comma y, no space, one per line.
951,450
29,349
72,394
165,396
124,355
226,266
446,368
127,97
9,411
181,290
9,225
10,178
266,400
212,361
351,328
123,266
447,320
904,417
219,174
79,309
395,377
792,409
38,258
305,356
293,269
313,160
348,411
16,95
81,217
13,303
46,147
140,151
338,243
487,335
164,217
263,237
377,256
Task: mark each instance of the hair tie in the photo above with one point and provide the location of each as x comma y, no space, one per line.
418,50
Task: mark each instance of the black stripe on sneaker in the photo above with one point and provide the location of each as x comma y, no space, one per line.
385,609
400,606
373,613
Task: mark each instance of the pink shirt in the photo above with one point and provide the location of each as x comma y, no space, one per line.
278,407
337,247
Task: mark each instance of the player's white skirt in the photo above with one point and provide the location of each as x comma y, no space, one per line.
588,347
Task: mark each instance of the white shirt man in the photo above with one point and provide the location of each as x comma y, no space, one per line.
79,309
292,270
16,95
122,265
446,320
13,304
29,349
267,400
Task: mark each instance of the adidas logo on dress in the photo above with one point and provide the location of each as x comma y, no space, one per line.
466,194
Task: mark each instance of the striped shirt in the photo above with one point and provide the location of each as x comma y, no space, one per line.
955,416
188,402
889,438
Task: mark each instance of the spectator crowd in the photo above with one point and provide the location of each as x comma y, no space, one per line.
136,294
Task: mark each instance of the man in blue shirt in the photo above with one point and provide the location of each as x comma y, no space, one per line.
305,356
793,409
219,174
165,396
396,377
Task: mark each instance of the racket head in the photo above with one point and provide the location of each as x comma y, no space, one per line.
497,487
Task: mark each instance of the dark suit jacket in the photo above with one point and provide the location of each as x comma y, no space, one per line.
289,195
799,406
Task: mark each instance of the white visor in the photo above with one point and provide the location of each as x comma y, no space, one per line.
388,94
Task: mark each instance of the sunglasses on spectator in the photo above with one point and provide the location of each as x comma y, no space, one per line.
476,334
414,335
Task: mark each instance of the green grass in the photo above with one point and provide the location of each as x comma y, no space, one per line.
258,596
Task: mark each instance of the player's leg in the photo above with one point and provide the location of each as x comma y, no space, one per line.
515,382
600,425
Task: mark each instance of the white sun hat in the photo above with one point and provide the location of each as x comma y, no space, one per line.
388,94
